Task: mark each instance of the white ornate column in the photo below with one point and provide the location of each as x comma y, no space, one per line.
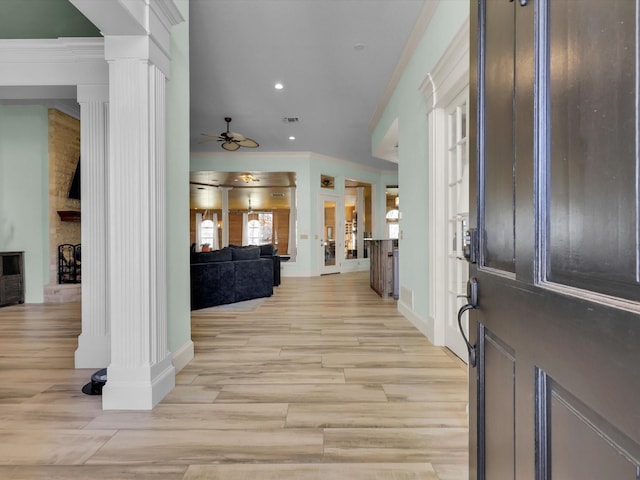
94,346
141,372
225,215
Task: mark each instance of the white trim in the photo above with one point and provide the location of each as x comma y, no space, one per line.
183,356
62,61
138,388
448,78
451,74
420,27
424,325
437,223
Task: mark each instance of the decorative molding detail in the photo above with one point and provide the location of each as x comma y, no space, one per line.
417,33
62,61
451,74
52,50
448,78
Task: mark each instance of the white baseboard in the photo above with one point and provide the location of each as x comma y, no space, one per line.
183,356
425,326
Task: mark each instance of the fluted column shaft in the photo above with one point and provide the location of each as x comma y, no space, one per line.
94,348
141,372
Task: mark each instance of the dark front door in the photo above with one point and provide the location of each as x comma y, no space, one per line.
554,107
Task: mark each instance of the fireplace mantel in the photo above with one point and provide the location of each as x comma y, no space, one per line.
69,215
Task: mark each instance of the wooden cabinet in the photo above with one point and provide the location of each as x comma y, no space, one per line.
11,278
383,274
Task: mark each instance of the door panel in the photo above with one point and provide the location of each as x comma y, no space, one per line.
601,451
499,220
557,386
593,146
498,369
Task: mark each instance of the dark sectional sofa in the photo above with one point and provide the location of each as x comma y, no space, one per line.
231,274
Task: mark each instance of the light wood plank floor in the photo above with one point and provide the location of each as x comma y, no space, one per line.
322,381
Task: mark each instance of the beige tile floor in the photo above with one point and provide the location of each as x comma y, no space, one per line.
322,381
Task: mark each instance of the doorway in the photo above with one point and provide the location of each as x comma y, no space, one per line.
329,246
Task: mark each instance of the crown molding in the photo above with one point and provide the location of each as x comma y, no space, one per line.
61,61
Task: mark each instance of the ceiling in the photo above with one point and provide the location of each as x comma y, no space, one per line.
333,57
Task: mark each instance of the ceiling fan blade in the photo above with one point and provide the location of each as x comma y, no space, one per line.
236,136
231,146
247,142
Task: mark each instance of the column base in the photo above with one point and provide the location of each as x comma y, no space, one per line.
138,388
93,351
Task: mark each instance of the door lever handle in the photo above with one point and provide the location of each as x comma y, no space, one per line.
472,296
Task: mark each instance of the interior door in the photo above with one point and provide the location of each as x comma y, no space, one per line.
329,246
554,163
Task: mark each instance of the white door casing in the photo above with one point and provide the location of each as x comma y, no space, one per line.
446,88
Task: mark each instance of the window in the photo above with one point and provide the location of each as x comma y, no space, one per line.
260,228
206,232
393,227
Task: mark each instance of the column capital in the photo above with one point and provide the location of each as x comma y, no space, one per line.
132,21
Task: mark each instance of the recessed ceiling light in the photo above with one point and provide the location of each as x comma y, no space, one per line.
292,137
358,47
278,86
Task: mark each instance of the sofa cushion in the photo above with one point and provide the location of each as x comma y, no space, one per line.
254,279
212,284
245,253
268,249
222,255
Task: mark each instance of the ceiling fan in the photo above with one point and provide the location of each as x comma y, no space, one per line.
230,140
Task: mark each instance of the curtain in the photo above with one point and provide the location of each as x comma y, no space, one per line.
245,228
198,232
215,245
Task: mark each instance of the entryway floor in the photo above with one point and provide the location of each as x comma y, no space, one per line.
324,380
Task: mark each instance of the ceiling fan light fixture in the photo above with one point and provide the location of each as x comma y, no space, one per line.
248,178
231,141
231,146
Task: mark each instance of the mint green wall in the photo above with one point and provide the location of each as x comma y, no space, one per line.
178,294
408,105
24,191
308,168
